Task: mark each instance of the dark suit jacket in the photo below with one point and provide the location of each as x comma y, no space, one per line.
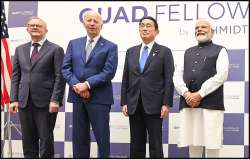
154,83
42,80
98,70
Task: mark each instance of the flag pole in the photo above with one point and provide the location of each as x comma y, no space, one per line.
9,124
9,132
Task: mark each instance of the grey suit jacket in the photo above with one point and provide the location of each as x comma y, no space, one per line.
42,80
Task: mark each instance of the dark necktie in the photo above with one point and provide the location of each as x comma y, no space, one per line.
34,54
143,58
89,48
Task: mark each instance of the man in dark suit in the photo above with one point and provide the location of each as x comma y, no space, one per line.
89,66
37,89
147,90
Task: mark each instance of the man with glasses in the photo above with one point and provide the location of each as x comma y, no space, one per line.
37,89
147,90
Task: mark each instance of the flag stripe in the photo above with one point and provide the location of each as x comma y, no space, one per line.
7,56
6,68
4,90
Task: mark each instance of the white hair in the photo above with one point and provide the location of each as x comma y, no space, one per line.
207,21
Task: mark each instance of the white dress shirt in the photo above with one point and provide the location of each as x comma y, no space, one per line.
95,39
39,47
150,45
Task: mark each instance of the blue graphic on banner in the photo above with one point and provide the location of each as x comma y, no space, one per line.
15,126
119,149
233,129
165,130
59,149
236,65
19,13
92,136
246,151
117,97
62,108
175,152
68,126
176,100
246,97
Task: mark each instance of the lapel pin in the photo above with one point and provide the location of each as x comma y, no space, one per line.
155,52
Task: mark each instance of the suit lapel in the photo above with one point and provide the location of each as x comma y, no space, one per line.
82,47
136,58
44,49
152,53
26,51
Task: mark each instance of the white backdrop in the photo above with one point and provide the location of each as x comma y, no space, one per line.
176,24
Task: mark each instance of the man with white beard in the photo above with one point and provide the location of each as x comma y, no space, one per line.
199,81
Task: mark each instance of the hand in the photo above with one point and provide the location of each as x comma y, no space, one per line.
125,110
164,111
193,99
80,87
186,95
53,107
13,107
85,94
193,104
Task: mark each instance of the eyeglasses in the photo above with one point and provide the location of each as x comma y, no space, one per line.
35,25
145,25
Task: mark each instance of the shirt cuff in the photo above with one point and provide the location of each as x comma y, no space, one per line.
88,84
202,93
54,101
183,91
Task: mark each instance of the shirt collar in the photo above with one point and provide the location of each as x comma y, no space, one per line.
150,45
95,38
39,42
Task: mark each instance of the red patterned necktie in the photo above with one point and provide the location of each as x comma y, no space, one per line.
34,54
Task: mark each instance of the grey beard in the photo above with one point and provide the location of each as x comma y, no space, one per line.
202,39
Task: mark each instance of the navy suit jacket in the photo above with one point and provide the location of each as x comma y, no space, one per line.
98,70
155,83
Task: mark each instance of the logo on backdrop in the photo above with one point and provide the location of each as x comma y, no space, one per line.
174,12
19,13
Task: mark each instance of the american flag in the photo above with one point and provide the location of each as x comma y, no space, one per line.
6,67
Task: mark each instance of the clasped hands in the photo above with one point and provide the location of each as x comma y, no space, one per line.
82,89
192,99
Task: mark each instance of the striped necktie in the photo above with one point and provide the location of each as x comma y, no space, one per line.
89,48
34,53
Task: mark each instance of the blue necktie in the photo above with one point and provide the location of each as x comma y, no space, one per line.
143,58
